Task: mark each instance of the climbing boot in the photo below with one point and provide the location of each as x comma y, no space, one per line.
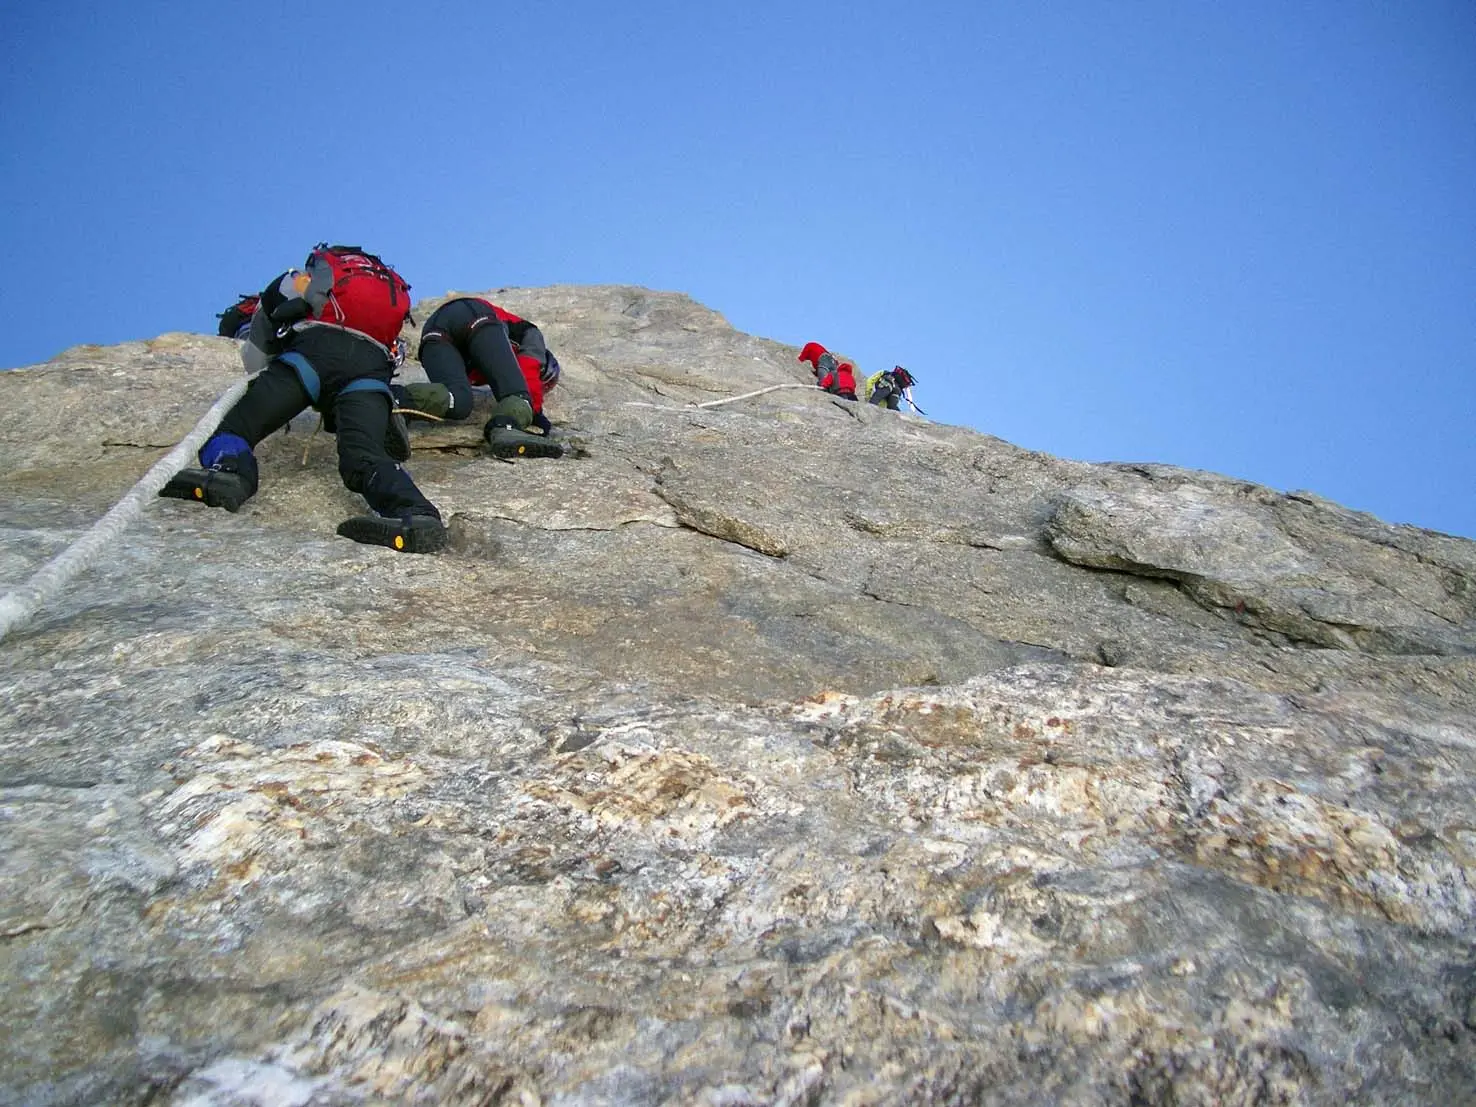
409,534
509,442
212,487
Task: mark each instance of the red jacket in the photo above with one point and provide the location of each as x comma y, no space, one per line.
842,381
831,374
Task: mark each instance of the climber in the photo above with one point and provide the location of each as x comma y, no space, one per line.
322,338
835,376
235,321
470,341
889,387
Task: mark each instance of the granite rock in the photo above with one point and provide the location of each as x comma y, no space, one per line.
783,751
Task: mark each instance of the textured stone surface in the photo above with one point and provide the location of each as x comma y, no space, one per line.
782,751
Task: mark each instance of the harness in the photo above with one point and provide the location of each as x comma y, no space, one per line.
313,385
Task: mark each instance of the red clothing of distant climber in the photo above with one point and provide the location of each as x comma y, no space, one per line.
837,377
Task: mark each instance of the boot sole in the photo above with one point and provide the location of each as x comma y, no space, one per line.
520,448
213,489
393,534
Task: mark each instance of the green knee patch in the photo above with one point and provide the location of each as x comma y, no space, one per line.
516,409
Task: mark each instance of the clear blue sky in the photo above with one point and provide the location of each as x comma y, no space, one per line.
1231,236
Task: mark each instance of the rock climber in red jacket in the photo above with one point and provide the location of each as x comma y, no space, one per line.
470,341
835,376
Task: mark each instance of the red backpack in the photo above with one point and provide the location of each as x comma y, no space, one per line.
237,317
366,296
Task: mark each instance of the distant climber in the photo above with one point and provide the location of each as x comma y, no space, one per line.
832,374
321,337
890,387
235,321
470,341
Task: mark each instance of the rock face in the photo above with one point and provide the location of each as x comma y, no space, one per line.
783,751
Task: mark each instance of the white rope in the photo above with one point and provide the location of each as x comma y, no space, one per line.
715,403
746,395
17,606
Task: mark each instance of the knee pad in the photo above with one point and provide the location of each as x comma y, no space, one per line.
230,453
220,448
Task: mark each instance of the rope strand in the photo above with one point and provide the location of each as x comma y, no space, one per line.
19,605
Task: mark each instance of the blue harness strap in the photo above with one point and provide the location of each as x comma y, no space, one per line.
368,384
313,386
305,373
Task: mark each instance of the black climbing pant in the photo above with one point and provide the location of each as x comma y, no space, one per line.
464,343
361,418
